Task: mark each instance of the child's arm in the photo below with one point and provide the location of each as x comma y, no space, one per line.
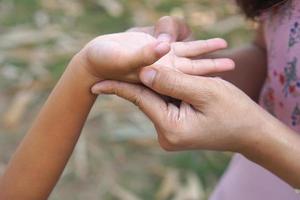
42,155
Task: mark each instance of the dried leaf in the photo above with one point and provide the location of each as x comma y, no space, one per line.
17,109
123,194
170,184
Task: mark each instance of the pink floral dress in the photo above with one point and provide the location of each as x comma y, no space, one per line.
245,180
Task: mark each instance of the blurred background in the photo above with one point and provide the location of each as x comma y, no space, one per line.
117,156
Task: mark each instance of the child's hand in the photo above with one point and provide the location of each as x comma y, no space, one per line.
186,57
121,56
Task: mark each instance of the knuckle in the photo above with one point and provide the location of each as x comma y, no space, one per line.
137,98
193,65
116,88
206,45
213,64
180,48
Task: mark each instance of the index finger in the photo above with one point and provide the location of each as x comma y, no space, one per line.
199,47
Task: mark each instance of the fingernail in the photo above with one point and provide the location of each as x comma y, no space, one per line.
164,37
147,76
96,91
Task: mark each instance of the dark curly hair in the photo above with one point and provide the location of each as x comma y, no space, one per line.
253,8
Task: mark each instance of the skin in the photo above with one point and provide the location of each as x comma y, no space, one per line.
250,60
206,119
42,155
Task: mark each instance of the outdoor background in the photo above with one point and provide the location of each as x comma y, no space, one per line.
117,156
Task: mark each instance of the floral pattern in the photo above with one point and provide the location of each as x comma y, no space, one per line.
280,95
296,116
294,37
269,101
289,78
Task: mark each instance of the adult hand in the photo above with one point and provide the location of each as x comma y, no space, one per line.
213,115
167,29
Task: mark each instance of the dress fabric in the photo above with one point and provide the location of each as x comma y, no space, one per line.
280,96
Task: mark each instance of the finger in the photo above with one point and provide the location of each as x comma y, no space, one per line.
175,84
197,48
171,29
148,101
204,66
148,54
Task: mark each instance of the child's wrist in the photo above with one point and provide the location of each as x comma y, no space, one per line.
81,67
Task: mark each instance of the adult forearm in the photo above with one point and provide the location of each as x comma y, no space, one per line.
40,159
277,148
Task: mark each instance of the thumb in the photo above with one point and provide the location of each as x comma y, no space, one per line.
148,54
176,84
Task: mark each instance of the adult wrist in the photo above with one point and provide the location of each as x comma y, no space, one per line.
260,130
264,139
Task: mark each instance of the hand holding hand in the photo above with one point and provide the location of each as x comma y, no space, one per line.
214,114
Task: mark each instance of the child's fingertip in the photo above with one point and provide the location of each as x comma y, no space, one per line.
226,63
230,63
220,42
